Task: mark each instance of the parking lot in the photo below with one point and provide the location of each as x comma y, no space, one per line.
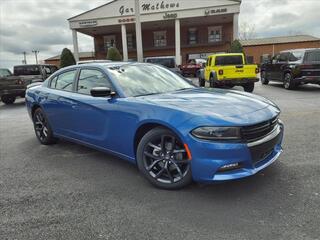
67,191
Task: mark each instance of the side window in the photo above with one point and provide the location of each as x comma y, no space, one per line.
283,57
65,81
90,78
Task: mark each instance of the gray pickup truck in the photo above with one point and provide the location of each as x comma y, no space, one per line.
15,85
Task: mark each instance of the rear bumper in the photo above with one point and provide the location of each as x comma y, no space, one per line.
189,70
236,81
308,79
13,92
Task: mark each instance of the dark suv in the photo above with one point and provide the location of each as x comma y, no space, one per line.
293,68
15,85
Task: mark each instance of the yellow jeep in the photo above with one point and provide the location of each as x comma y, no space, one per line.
229,70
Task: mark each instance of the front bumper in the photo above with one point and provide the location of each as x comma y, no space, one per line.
236,81
209,158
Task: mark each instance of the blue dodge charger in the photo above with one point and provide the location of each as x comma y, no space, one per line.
173,131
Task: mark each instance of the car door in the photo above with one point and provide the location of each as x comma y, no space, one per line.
92,115
279,65
59,103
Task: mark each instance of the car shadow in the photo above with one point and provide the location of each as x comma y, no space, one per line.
18,104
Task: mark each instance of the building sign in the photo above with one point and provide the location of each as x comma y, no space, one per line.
88,23
148,7
126,20
214,11
170,16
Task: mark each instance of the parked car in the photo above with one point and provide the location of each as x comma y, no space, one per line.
154,118
293,68
13,86
167,61
229,69
192,67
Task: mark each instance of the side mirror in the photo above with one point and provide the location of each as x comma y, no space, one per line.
101,92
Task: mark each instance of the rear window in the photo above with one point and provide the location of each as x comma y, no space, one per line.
167,62
312,56
26,70
229,60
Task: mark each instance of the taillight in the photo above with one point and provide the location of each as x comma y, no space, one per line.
220,72
257,70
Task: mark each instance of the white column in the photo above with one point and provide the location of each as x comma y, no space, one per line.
124,42
138,32
75,45
178,44
235,26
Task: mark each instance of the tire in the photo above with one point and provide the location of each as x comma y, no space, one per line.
248,87
263,78
163,160
42,128
7,99
288,82
211,82
201,82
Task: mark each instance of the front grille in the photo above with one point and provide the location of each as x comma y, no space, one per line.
255,132
262,151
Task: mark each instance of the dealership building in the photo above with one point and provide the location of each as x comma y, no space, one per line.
185,29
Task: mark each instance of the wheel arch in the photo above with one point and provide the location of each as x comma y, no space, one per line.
34,108
148,126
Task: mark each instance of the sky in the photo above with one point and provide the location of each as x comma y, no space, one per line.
42,25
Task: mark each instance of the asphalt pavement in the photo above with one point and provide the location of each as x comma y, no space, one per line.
67,191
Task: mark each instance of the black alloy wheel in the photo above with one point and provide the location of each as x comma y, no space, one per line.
42,128
163,159
263,78
7,99
288,82
248,87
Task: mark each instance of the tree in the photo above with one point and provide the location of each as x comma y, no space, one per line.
66,58
247,31
114,54
236,47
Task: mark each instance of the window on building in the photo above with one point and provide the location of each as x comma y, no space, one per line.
214,34
160,38
90,78
64,81
193,36
130,41
109,41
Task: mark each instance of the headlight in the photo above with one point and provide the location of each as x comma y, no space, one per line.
217,133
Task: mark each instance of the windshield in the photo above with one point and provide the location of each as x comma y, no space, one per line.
147,79
4,72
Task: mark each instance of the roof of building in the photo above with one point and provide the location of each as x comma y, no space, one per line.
81,55
277,40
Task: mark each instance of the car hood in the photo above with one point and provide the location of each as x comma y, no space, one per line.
211,102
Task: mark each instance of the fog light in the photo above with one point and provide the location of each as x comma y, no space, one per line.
229,167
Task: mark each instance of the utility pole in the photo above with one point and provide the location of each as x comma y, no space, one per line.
138,32
24,61
36,55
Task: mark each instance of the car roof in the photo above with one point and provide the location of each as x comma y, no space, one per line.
160,57
225,54
300,50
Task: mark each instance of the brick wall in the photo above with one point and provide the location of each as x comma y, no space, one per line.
148,46
257,51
